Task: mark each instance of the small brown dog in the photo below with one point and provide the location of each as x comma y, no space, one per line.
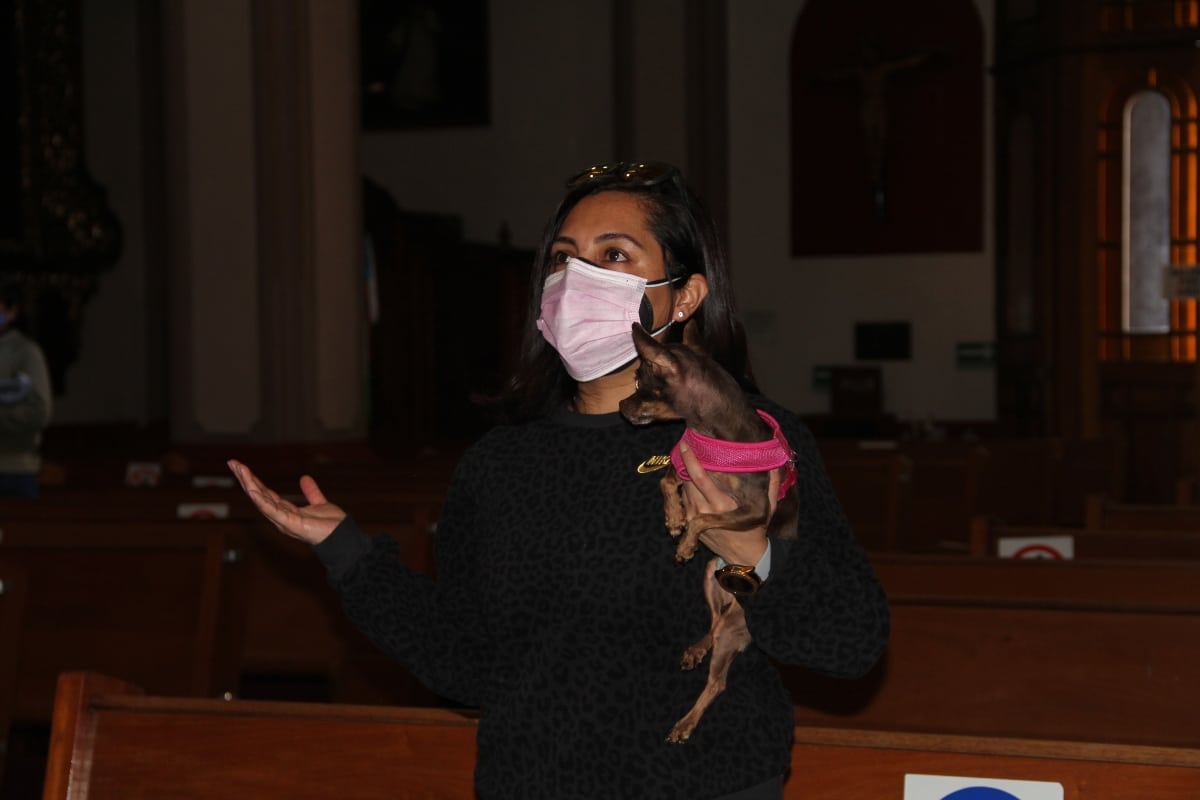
676,382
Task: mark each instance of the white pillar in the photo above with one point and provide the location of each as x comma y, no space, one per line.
267,323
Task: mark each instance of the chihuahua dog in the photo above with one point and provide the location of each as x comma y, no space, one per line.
676,382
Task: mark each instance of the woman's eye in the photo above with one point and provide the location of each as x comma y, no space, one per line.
615,255
560,257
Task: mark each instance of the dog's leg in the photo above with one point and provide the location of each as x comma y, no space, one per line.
753,509
729,636
676,517
696,653
740,519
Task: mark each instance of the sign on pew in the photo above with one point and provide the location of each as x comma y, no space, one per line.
110,741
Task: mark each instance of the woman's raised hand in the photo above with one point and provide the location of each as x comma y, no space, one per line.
311,523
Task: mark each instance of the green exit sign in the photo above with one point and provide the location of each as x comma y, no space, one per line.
975,355
820,378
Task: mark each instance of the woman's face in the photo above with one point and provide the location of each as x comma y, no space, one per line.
610,230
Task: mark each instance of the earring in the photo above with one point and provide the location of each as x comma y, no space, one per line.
679,314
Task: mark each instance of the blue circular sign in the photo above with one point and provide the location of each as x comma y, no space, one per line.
980,793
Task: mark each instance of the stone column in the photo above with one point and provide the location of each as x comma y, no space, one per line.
267,323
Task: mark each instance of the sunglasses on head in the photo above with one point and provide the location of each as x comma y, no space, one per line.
635,174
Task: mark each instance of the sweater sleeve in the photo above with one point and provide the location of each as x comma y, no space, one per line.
431,626
822,607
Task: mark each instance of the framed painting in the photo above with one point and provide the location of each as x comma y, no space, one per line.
424,63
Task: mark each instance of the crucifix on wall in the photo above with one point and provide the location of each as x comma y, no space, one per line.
887,128
871,76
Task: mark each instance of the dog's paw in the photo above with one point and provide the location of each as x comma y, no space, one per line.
693,657
684,552
681,732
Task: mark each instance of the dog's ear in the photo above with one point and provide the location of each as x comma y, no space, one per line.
643,341
651,351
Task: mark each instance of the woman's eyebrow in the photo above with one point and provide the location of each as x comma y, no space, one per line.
609,237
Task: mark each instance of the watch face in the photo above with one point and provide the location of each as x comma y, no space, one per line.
737,582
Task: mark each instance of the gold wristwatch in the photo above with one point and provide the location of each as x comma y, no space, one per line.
738,579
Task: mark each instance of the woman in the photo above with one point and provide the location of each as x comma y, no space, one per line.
558,609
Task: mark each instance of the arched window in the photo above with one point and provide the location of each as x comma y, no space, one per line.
1148,220
1146,213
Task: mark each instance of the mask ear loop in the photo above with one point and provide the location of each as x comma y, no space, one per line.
665,282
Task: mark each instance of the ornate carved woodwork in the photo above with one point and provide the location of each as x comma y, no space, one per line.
57,233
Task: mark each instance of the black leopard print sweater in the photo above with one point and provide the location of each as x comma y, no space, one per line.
560,613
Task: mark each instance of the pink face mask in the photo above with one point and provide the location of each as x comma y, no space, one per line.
588,314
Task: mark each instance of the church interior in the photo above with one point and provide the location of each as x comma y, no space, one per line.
963,237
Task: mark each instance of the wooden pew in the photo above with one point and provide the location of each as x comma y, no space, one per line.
1103,512
1100,651
944,495
296,629
187,607
89,465
1017,479
296,641
987,533
161,603
835,764
1185,490
13,588
1083,467
420,505
109,741
919,496
872,486
906,497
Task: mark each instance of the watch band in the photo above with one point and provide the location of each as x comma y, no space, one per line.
738,579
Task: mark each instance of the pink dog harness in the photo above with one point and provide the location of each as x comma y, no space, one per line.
719,455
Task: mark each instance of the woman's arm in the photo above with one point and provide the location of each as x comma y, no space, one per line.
822,607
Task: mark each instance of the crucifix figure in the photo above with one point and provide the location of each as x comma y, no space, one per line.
872,75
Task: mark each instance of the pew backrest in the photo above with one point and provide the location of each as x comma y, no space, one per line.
1103,512
987,536
109,741
872,487
1101,651
160,602
837,763
13,588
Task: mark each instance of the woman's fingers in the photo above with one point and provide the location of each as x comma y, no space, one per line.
701,491
312,492
279,511
310,523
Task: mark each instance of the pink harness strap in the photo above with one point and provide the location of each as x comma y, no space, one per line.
719,455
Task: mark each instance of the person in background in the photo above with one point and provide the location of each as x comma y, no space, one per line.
558,609
25,398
